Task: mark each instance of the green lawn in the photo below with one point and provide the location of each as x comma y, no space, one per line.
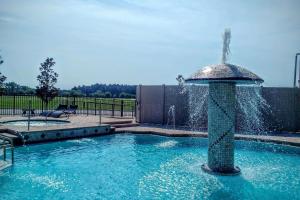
84,103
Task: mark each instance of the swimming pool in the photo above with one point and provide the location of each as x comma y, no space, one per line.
35,122
128,166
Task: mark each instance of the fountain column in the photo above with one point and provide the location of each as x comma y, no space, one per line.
222,80
221,128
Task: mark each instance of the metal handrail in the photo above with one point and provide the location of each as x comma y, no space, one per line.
7,143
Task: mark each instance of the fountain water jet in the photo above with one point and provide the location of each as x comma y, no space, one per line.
222,80
171,116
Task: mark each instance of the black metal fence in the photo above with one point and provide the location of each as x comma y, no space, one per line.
16,104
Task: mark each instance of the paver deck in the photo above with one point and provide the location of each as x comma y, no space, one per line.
76,121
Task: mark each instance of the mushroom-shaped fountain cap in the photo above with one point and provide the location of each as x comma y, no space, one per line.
224,73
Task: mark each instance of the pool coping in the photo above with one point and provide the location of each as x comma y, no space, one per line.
292,141
38,119
84,122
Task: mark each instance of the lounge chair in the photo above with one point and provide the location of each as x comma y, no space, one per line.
72,109
63,110
57,111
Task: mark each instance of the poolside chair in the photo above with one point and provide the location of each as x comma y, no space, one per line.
58,110
72,109
64,110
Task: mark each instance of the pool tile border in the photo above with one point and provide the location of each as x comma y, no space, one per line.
64,134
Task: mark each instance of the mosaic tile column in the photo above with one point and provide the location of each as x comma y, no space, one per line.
221,128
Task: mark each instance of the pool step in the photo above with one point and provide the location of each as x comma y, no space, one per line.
3,142
125,125
120,122
8,137
4,164
11,136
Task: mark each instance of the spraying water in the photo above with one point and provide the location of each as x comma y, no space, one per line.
252,109
181,84
250,106
226,42
171,116
197,100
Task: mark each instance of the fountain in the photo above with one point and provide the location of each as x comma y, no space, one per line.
222,80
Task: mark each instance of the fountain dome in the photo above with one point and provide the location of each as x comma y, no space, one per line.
223,73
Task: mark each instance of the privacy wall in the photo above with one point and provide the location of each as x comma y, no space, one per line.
154,101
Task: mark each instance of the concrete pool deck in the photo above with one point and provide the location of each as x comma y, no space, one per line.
287,140
76,121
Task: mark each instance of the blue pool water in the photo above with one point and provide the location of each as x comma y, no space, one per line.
147,167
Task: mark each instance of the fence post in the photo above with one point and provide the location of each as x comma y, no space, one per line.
42,105
122,107
29,113
83,106
73,100
113,108
87,108
14,104
135,102
100,113
95,100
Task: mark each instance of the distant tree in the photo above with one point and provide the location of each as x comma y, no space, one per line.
11,88
46,89
14,88
64,92
122,95
2,78
114,89
75,92
98,93
107,95
126,95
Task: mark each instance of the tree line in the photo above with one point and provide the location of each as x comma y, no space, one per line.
95,90
104,90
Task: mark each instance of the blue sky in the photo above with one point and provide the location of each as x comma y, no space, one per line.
146,42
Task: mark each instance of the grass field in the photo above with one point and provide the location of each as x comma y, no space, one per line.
84,103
